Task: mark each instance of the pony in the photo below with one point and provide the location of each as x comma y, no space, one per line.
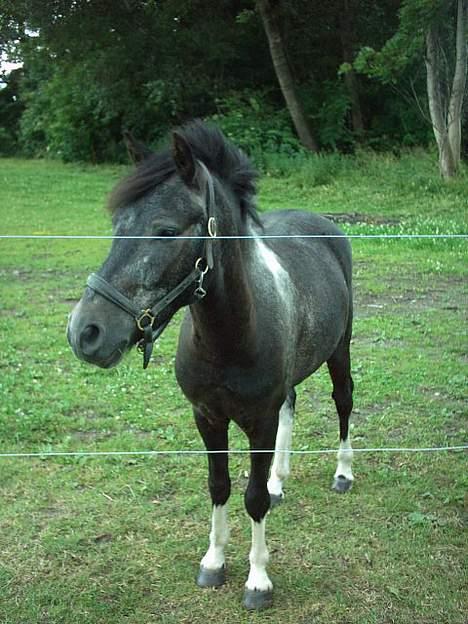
267,298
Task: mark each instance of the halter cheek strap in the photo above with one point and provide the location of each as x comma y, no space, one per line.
145,319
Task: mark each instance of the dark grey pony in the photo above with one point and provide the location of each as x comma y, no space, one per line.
262,314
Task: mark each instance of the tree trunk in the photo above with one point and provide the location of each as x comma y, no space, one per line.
436,103
347,39
446,116
458,86
267,10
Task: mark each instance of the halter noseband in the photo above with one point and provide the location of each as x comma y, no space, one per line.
145,319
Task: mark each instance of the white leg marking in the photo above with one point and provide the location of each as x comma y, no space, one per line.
258,577
280,468
345,458
219,536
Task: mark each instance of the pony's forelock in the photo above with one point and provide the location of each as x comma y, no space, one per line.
209,145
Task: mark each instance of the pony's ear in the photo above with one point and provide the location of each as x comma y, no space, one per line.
137,151
183,158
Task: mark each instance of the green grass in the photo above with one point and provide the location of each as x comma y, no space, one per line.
119,539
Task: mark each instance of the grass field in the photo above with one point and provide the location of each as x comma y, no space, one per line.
92,541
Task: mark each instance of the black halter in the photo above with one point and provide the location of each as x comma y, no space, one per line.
145,319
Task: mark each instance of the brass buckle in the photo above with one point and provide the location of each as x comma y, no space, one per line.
145,314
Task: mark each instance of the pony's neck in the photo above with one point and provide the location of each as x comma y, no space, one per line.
224,321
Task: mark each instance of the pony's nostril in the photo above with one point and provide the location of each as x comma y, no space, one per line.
90,333
90,339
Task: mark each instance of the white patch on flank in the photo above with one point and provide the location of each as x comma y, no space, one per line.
345,458
270,260
269,257
280,468
219,536
258,577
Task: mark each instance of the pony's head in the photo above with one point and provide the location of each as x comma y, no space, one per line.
172,195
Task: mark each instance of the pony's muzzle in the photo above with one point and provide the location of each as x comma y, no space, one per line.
97,339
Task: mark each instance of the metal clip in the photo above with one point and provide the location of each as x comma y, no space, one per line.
200,292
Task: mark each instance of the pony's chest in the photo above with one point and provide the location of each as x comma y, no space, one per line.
225,391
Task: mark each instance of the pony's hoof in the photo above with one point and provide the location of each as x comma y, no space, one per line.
211,578
275,500
255,600
341,484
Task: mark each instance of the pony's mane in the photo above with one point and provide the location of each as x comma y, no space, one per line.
209,145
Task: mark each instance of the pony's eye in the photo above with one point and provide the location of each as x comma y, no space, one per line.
166,232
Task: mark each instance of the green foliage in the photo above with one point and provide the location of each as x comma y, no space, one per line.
67,117
98,67
405,49
331,119
251,122
304,170
398,122
11,109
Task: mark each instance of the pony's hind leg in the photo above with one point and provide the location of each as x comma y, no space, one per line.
280,468
339,366
212,567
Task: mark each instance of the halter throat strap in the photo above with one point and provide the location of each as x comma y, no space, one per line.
145,319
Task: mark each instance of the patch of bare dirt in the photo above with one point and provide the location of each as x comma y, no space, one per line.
359,217
407,296
27,274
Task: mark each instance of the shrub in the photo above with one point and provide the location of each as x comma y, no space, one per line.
252,123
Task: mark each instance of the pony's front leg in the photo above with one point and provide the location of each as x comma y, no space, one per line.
212,567
259,588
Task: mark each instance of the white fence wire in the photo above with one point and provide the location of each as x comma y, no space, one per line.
236,237
47,454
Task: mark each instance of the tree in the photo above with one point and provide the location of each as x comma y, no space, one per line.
11,109
432,32
347,37
98,67
445,96
268,10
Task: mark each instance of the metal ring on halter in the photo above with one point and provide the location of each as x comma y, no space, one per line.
197,266
212,227
146,314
